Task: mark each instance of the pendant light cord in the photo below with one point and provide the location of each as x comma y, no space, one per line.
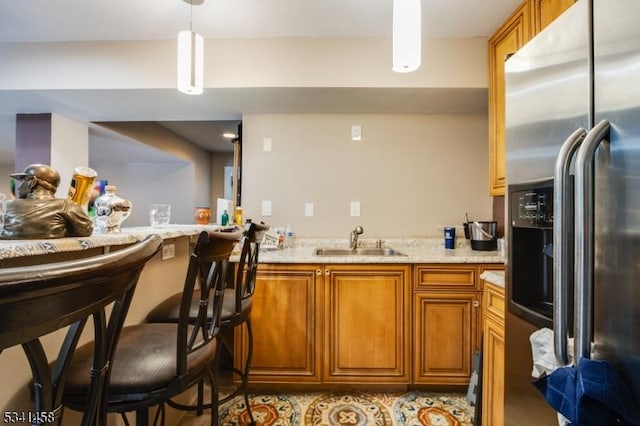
191,16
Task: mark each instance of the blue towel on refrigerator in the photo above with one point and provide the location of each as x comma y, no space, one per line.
593,394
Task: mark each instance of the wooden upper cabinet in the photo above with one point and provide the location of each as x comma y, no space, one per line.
545,11
528,20
513,34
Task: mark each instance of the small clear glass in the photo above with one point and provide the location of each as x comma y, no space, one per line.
159,214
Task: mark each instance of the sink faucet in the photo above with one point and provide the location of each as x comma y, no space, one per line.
353,240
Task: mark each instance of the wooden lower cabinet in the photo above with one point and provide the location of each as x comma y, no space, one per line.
445,337
329,323
364,324
286,319
367,334
446,328
493,356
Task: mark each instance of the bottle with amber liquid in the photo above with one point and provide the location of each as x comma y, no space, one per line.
237,218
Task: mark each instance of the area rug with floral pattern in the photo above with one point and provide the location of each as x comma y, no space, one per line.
342,409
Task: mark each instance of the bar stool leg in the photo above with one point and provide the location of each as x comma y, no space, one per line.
245,373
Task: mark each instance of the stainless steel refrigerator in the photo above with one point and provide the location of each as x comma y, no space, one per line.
573,125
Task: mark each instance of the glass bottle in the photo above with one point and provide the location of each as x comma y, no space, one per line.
111,210
224,219
238,216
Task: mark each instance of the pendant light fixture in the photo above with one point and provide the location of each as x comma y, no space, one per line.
407,35
190,59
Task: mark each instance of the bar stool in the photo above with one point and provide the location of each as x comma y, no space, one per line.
154,362
37,300
236,308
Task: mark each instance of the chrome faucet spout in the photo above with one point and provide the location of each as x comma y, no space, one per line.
353,238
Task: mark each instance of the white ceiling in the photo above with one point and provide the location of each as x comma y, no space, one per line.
74,20
68,20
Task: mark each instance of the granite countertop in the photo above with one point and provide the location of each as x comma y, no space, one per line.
493,277
19,248
414,250
418,250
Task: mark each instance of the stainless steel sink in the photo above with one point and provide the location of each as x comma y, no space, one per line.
357,252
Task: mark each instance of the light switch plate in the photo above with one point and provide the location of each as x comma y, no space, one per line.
266,207
267,144
308,209
355,209
356,132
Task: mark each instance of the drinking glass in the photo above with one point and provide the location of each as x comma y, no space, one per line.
159,214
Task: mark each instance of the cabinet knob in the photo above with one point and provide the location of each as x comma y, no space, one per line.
476,303
327,271
318,272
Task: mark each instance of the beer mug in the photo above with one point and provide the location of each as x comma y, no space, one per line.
81,186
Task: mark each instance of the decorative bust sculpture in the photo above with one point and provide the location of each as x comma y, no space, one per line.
37,213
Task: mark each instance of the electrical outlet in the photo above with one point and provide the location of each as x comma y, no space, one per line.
308,209
355,209
356,132
168,251
266,208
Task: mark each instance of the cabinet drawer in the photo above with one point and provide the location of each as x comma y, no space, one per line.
494,302
448,277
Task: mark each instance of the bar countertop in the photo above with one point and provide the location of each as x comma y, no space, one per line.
19,248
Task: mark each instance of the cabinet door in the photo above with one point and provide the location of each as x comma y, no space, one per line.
545,11
506,41
445,337
493,372
287,328
367,324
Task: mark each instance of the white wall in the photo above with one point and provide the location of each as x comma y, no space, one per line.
153,183
184,183
275,62
412,174
69,149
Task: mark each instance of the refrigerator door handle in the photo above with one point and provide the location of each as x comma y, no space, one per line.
584,240
561,234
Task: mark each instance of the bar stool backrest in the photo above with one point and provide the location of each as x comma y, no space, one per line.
248,263
36,300
208,265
